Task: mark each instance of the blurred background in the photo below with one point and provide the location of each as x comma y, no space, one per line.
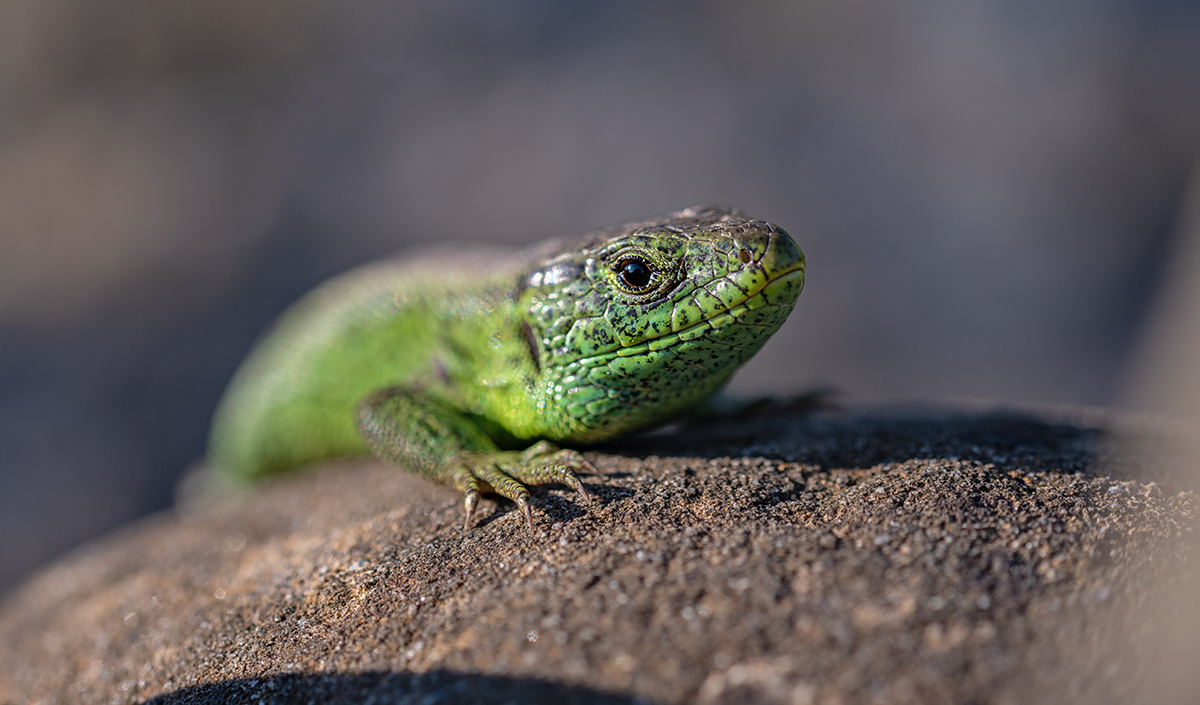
990,195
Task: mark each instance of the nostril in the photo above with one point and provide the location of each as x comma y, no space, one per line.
745,256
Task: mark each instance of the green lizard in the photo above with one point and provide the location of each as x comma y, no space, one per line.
470,371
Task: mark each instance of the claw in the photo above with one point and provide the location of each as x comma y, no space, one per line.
523,503
576,485
586,465
470,502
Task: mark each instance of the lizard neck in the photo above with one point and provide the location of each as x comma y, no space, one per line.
485,365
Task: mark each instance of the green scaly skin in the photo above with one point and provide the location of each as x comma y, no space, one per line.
469,370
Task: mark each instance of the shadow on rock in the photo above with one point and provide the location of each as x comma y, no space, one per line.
785,429
381,688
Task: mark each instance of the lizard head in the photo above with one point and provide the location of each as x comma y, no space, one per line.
629,327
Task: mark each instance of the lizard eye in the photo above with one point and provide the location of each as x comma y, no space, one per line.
635,274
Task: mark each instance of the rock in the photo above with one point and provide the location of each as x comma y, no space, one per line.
773,558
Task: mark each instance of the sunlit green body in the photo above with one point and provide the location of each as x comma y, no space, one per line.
441,363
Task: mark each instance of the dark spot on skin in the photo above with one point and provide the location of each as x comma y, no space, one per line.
530,337
745,256
440,371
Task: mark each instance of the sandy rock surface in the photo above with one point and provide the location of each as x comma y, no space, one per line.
777,558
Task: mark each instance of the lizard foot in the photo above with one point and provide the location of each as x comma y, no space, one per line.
507,472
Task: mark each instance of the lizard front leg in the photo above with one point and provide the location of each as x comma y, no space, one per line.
414,430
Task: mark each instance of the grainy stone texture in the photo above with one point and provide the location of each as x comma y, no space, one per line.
776,558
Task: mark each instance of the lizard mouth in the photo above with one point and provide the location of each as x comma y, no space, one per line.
773,292
779,292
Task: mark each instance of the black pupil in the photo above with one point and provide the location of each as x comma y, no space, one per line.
636,274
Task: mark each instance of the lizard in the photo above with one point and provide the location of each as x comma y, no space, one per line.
481,369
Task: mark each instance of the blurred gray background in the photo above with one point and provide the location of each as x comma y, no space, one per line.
988,192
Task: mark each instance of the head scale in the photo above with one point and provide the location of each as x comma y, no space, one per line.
631,326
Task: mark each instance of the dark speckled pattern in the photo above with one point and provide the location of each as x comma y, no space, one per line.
618,361
468,371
